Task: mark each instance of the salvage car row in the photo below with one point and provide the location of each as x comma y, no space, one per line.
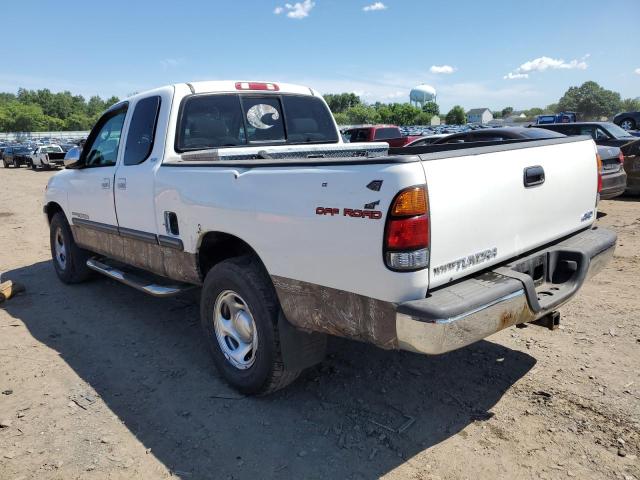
618,150
34,156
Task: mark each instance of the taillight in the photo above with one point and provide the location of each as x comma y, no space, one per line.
599,166
621,159
257,86
406,243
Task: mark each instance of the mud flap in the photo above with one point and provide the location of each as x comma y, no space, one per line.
300,349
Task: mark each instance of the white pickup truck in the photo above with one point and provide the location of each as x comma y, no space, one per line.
46,156
247,190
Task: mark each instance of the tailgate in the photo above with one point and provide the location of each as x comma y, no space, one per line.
483,214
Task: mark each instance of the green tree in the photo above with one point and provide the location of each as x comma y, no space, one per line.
95,105
506,111
77,121
533,112
456,116
341,118
111,101
630,105
432,108
552,108
362,114
590,101
341,102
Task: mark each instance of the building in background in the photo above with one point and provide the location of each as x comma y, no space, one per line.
479,115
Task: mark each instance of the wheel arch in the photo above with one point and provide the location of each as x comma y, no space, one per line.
215,246
51,208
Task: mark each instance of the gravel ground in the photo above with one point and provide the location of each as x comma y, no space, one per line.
98,381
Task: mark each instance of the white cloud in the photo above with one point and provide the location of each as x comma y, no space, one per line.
446,69
637,71
374,6
515,76
298,10
542,64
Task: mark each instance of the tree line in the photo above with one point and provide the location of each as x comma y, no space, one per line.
589,100
42,110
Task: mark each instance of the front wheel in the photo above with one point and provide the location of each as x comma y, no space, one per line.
69,260
239,316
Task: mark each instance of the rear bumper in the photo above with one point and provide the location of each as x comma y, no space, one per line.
613,184
473,309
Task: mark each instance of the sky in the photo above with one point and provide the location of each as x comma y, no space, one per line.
478,54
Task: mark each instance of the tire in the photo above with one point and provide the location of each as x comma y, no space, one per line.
628,124
32,165
15,163
241,281
69,260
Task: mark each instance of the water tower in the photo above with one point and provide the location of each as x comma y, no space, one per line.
422,94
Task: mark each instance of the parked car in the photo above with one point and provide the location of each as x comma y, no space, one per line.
15,155
496,135
562,117
47,156
284,235
614,178
22,155
610,135
379,133
628,120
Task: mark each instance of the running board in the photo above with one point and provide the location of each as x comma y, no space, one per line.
135,281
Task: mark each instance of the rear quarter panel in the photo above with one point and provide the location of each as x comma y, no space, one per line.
273,209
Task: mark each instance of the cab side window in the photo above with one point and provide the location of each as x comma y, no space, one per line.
142,131
104,140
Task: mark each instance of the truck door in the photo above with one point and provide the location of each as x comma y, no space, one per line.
91,192
135,179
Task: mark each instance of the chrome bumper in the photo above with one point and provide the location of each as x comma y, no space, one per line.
466,312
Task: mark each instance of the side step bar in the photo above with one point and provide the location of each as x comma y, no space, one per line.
135,281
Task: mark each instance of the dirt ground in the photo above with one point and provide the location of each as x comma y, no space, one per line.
98,381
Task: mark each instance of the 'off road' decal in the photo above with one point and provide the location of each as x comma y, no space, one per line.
350,212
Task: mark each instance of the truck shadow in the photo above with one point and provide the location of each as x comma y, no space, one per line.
359,414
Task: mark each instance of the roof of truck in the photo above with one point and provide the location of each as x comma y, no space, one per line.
244,86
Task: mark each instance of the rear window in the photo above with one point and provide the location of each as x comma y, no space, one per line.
229,120
52,149
387,133
541,133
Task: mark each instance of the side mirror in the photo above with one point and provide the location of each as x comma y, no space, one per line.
72,158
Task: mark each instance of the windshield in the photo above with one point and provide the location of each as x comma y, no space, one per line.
229,120
616,131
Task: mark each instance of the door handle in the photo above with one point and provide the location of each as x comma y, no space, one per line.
122,183
533,176
106,183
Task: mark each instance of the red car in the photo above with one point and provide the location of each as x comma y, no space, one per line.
378,133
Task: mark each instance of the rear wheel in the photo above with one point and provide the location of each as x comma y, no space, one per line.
628,124
239,316
69,260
